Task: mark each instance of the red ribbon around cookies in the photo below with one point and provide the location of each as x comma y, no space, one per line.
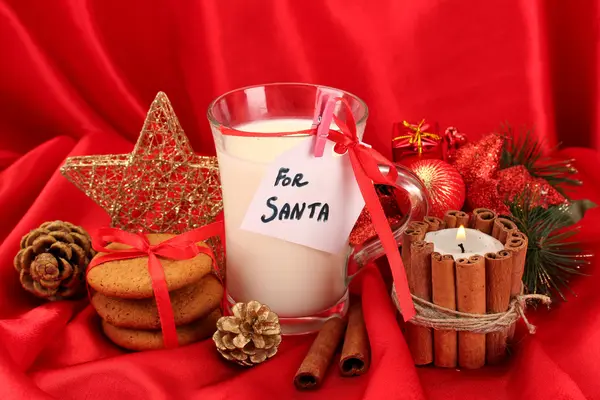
180,247
365,163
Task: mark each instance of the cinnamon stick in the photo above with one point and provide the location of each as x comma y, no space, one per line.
434,223
516,243
503,228
483,220
518,246
409,236
420,338
314,366
518,234
455,219
445,350
470,298
498,269
356,353
422,225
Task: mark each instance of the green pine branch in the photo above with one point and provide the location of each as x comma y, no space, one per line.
553,258
524,149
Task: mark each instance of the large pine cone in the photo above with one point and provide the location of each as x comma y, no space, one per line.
53,259
250,336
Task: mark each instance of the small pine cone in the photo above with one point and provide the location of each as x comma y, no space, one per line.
250,336
53,259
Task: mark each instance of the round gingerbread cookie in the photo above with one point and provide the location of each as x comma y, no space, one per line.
139,340
130,279
189,304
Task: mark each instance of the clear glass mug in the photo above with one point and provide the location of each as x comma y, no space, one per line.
304,286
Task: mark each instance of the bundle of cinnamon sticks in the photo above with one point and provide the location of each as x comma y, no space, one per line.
356,352
479,284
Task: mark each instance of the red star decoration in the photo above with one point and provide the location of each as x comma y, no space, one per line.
479,160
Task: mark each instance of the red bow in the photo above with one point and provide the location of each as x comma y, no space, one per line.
181,247
365,163
417,139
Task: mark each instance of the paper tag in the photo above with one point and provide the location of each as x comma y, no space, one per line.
306,200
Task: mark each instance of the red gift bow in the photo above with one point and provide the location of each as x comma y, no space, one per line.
417,140
365,163
180,247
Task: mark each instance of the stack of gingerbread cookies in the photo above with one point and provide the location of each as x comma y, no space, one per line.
122,294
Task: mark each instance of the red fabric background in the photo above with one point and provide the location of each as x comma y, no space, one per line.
76,77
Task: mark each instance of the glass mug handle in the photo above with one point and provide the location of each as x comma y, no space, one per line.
419,206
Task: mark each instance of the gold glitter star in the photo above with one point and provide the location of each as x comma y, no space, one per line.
162,186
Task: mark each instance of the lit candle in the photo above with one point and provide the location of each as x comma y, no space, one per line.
463,243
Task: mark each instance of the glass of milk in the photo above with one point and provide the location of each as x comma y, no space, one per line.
304,286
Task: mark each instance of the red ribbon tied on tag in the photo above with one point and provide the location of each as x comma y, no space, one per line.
180,247
365,163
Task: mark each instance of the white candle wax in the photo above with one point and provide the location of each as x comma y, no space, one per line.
475,242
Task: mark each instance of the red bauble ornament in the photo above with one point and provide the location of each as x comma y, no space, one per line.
444,184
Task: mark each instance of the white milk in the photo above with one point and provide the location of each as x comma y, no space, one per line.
294,280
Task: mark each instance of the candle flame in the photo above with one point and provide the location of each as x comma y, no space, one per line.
461,234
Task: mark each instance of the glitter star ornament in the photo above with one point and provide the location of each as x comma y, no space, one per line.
514,180
162,186
479,160
510,182
484,193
